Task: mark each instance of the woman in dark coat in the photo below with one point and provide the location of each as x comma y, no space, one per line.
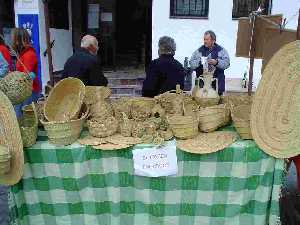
165,72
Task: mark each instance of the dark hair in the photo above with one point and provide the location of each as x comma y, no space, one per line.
2,42
20,39
211,34
166,46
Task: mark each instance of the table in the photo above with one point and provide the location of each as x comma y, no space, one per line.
79,185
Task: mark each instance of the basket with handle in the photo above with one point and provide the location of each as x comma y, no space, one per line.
183,127
29,127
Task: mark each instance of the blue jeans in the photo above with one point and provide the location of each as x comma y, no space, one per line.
18,108
3,206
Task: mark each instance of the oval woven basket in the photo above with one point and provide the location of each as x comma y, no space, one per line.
65,100
103,128
241,119
211,118
141,108
16,86
183,127
65,132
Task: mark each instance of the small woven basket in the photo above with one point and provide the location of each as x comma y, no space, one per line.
241,119
183,127
29,126
207,102
66,132
96,93
121,105
65,100
211,118
126,126
16,86
101,109
141,108
102,128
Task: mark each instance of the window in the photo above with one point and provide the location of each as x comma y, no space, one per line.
242,8
189,8
59,14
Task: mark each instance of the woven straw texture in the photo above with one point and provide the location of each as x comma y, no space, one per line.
207,142
65,100
183,127
5,158
29,125
103,128
10,137
241,119
236,100
67,132
211,118
16,86
126,126
275,113
96,93
141,108
111,147
122,105
171,102
101,109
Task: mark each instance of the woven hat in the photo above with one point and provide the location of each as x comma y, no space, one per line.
275,112
65,100
207,142
10,137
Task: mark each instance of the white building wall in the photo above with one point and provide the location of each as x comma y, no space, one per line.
188,33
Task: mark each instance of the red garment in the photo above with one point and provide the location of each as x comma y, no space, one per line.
296,160
5,52
29,58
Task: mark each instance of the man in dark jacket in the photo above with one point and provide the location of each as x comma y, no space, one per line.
84,64
165,72
216,55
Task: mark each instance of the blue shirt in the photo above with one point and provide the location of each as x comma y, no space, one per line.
3,66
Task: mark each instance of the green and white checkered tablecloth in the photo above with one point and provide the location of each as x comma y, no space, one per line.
78,185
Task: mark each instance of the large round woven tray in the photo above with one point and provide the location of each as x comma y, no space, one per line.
67,132
65,100
16,86
275,112
207,142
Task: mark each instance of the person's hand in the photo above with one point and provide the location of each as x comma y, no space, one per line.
212,62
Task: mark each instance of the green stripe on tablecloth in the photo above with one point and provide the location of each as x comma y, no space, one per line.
250,154
123,179
136,207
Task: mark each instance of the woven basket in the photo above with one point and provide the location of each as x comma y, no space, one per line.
4,160
67,132
16,86
158,111
29,126
96,93
40,110
101,109
103,128
121,105
141,108
207,102
241,119
138,129
211,118
65,100
236,100
126,126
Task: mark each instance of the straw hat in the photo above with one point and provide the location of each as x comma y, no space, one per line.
10,137
275,112
207,142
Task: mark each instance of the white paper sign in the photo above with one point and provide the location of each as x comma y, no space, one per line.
156,161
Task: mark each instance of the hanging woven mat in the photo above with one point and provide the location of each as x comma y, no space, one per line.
207,142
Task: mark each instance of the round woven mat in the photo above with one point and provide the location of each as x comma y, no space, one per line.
275,113
207,142
111,147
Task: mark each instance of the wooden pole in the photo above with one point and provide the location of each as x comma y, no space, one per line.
49,53
252,55
298,28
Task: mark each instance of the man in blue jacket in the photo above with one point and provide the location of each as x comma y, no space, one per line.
165,72
216,55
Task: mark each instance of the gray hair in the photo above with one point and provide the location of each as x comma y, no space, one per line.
89,40
211,34
166,46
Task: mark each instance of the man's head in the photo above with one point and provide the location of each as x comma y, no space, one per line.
166,46
90,43
209,39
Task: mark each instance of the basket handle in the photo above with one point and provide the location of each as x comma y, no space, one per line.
183,108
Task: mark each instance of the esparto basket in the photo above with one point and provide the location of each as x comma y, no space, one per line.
103,127
65,100
241,119
29,126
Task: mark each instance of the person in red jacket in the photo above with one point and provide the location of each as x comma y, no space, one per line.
5,53
27,62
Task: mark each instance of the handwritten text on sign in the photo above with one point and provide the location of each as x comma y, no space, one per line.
155,161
